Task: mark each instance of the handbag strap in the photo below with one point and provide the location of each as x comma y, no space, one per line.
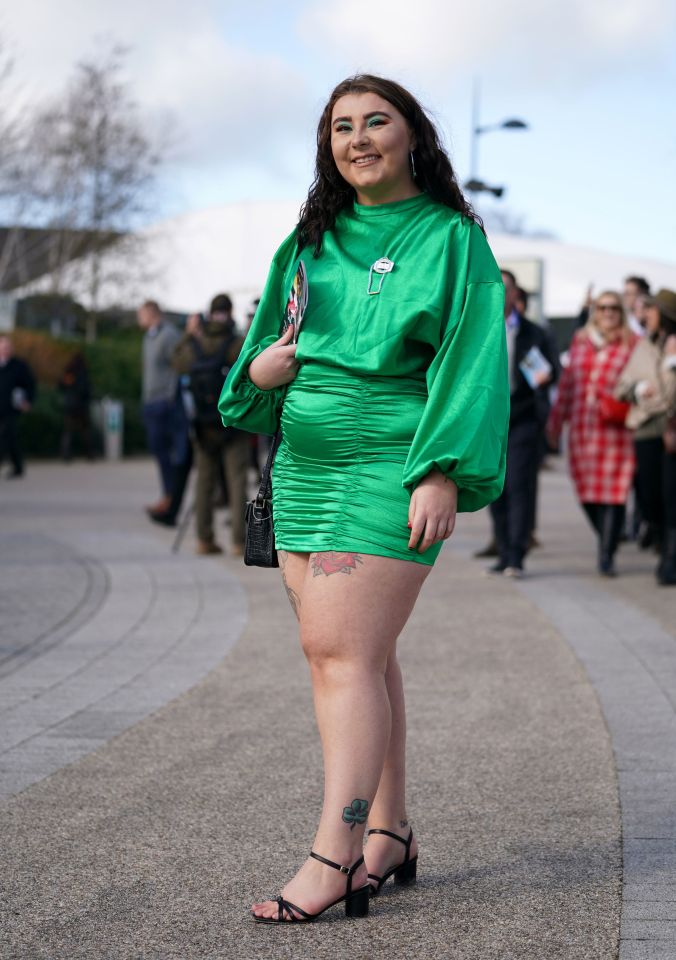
265,489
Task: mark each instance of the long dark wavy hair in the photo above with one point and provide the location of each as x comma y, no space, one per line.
330,193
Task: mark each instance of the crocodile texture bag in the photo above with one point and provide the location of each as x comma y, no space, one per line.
259,541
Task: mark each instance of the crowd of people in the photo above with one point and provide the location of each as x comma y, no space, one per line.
618,394
614,389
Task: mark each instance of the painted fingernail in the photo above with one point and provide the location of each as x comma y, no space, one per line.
408,525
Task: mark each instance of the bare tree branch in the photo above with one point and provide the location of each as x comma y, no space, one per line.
90,172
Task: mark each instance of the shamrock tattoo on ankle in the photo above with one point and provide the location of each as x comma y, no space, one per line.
356,813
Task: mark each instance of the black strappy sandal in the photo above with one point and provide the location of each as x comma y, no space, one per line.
405,872
356,901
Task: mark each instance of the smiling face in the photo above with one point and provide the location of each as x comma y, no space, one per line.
371,143
608,315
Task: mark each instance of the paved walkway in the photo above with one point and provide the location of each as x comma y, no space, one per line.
101,624
159,766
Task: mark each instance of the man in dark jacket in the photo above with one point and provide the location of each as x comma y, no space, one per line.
205,353
17,392
159,394
513,511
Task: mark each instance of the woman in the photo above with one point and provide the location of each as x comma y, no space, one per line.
394,410
648,382
600,448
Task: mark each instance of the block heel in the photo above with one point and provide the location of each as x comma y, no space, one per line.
405,872
358,904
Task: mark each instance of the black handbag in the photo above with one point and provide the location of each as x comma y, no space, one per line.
259,539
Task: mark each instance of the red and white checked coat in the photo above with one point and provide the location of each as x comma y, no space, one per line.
601,454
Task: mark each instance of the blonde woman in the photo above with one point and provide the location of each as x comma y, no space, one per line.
600,447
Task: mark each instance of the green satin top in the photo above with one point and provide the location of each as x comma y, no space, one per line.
438,316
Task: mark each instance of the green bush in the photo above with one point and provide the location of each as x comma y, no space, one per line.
40,430
115,371
114,365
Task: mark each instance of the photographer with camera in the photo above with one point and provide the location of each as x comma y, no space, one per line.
205,354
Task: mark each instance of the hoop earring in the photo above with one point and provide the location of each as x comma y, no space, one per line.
413,173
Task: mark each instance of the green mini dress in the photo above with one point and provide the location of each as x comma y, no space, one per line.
400,372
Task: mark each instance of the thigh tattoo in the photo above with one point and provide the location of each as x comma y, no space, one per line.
294,599
332,561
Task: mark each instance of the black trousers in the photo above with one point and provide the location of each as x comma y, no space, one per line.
607,519
656,483
669,490
649,479
181,476
513,511
76,424
9,442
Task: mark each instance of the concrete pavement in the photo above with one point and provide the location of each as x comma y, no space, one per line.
101,625
159,761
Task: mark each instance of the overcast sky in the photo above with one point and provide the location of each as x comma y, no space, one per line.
242,85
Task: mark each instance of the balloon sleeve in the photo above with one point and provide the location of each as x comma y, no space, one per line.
242,404
463,430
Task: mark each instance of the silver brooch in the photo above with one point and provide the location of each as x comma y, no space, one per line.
381,267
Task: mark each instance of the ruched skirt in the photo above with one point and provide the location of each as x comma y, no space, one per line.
337,478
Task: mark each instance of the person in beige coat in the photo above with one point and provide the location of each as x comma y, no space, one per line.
648,382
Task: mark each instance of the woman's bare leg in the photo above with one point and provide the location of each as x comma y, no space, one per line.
389,807
352,608
293,567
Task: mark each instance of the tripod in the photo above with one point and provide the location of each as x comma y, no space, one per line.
183,528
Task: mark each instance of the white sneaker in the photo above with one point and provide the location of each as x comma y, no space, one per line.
514,573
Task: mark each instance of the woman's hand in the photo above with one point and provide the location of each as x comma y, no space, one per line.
431,514
644,388
276,365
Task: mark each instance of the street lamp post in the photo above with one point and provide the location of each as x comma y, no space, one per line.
474,184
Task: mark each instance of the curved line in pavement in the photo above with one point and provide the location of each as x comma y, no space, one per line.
130,680
86,664
97,588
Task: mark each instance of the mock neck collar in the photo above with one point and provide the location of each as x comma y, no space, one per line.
365,212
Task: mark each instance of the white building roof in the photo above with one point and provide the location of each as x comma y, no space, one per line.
228,249
189,258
